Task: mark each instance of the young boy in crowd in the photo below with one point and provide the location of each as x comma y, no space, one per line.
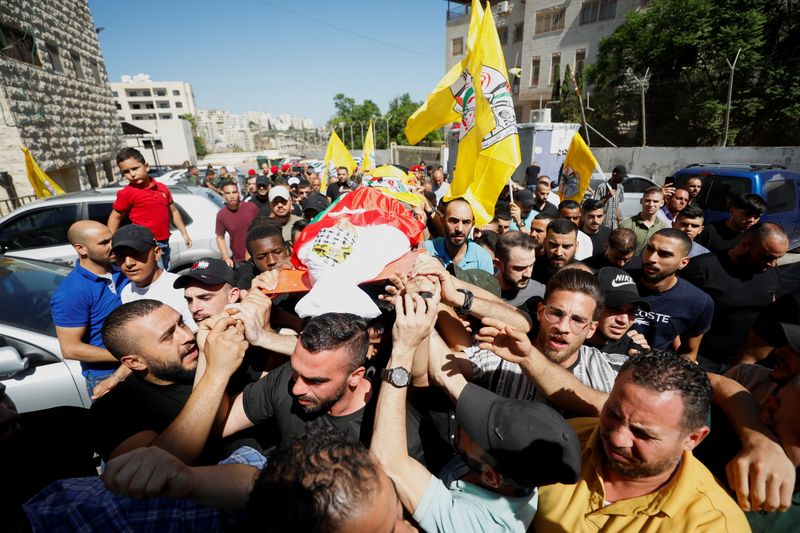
145,202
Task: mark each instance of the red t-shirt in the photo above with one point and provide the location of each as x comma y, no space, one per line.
236,224
147,206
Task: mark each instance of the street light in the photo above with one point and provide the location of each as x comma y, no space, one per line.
386,118
352,144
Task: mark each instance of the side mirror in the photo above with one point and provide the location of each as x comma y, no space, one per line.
11,362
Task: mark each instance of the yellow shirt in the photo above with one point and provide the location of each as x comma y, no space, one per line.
692,501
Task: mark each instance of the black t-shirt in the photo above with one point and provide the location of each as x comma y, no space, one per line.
785,309
739,295
718,237
263,205
599,239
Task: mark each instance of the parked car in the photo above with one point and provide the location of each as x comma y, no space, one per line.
775,184
39,230
32,368
634,187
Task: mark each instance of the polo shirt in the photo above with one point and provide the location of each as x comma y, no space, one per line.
147,206
691,501
642,232
85,299
476,255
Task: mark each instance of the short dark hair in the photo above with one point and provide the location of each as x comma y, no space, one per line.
117,338
691,211
568,204
577,280
683,239
312,483
510,240
544,216
622,240
762,231
502,211
227,182
300,225
343,168
488,239
304,183
590,204
130,153
664,371
330,331
752,204
263,231
562,226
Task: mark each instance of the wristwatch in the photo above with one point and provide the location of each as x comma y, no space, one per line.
464,309
398,377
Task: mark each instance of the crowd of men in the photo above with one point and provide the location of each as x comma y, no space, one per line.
558,369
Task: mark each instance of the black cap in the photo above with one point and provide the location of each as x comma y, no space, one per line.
620,171
792,334
532,174
532,444
209,271
523,197
262,180
315,201
476,276
133,236
619,288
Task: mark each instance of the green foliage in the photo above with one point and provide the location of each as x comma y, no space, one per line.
685,44
568,108
200,147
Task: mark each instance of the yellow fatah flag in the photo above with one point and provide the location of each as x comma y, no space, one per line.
368,153
488,146
336,156
42,185
576,171
445,104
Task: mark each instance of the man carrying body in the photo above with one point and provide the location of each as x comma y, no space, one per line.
592,225
234,219
268,251
570,210
646,223
690,221
456,246
611,195
673,205
742,281
745,212
85,298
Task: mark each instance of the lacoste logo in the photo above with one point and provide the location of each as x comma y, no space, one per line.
622,279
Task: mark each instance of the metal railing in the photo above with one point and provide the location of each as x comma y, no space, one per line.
7,205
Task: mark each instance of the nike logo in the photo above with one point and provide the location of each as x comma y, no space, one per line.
621,280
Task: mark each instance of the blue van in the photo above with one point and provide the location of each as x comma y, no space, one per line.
774,183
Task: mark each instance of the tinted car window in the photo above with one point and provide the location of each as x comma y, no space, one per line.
187,220
636,185
25,290
781,195
46,226
717,191
99,211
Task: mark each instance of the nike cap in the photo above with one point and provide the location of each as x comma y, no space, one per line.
619,289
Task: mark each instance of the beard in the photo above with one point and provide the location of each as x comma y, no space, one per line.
635,469
321,406
516,285
658,276
172,372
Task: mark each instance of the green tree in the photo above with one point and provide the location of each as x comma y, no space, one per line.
568,108
400,108
199,142
685,44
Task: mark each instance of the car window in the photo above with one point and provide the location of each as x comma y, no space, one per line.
636,185
25,290
187,220
781,195
38,228
99,212
718,191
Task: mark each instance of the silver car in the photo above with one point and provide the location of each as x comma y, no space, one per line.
32,368
39,230
633,186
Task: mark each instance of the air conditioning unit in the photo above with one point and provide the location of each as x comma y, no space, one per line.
541,115
502,7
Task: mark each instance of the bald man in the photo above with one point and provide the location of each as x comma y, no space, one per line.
84,299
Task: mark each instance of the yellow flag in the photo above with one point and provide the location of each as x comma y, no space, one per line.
488,146
368,153
336,156
42,185
576,171
444,105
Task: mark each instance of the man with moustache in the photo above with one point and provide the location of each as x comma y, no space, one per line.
592,225
673,205
560,247
515,255
456,246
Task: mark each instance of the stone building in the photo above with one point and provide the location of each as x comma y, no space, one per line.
54,97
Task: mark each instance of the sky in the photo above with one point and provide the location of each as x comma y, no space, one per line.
278,56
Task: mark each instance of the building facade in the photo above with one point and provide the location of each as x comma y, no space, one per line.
539,38
139,98
54,97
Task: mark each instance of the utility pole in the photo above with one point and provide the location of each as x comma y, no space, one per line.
352,145
583,112
730,94
644,83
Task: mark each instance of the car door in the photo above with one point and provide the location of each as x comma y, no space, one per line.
780,191
41,233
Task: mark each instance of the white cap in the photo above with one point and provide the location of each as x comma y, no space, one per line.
293,181
279,192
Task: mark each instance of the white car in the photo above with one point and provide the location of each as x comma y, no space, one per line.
633,186
39,230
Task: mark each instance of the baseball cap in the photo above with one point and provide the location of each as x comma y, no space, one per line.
262,180
315,201
251,172
285,167
478,277
279,192
619,288
620,171
273,169
209,271
133,236
293,181
532,444
792,333
523,197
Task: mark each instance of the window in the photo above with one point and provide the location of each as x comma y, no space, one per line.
781,195
99,212
145,92
94,69
518,29
165,116
580,60
17,44
54,57
147,143
135,106
178,104
548,20
25,290
536,64
176,92
163,104
115,94
76,64
160,92
118,105
457,46
555,69
39,228
502,34
132,93
597,10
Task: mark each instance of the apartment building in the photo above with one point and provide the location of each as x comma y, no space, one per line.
140,98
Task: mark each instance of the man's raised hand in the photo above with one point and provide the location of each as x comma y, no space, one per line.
507,342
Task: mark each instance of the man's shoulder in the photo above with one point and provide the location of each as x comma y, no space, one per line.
76,283
433,245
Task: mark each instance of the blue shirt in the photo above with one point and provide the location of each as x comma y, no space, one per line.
475,256
85,299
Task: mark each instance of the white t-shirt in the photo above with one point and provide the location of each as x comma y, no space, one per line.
585,247
162,291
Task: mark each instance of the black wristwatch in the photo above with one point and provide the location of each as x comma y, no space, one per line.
464,309
398,377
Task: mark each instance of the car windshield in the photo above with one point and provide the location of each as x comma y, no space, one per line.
718,190
25,290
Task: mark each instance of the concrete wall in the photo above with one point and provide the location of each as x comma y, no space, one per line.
176,139
67,120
